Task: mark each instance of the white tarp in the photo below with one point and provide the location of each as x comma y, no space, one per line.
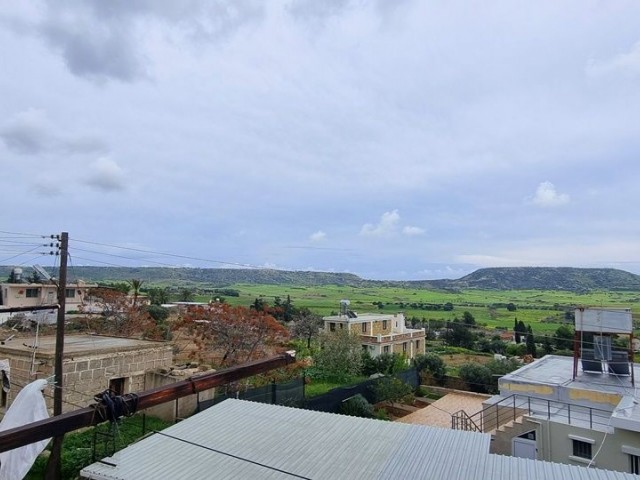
28,407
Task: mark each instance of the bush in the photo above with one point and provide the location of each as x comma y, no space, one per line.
391,389
158,313
477,377
433,364
357,406
516,349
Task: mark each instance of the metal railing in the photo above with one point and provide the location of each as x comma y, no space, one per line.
515,406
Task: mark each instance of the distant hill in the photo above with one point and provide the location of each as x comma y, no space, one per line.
550,278
511,278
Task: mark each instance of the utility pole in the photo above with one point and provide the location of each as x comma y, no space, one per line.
54,464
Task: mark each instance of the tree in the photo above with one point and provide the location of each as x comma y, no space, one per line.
12,277
547,346
119,317
392,389
258,305
135,285
158,296
468,319
459,335
511,307
339,357
232,334
564,338
386,363
477,377
186,295
530,342
306,325
433,364
520,330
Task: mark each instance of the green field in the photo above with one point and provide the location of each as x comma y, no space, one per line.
543,309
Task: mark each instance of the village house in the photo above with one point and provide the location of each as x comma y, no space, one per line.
582,410
379,333
21,292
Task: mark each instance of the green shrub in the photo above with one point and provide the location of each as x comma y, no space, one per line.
357,406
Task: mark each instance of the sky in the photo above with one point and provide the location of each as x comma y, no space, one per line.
399,140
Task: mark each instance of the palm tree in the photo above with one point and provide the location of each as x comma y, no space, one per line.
135,285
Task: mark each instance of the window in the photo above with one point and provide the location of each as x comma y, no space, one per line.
332,327
364,328
404,347
341,326
581,449
365,348
385,349
417,345
70,292
634,461
116,385
33,292
384,324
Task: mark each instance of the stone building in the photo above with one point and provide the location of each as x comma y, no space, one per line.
92,364
380,333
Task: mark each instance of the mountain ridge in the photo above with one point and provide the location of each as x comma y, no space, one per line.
495,278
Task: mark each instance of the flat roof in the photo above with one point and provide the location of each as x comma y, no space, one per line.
438,414
364,317
557,371
238,439
77,344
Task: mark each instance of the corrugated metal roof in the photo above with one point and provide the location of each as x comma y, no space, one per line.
237,439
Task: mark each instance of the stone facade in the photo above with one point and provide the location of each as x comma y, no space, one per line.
381,333
91,365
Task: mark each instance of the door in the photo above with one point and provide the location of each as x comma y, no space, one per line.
524,448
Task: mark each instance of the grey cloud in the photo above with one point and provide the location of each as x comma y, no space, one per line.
47,189
83,145
27,133
97,52
31,133
106,175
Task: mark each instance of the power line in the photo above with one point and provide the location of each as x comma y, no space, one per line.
243,459
186,257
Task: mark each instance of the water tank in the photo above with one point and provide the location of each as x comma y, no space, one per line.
17,274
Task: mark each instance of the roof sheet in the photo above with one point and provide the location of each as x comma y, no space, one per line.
237,439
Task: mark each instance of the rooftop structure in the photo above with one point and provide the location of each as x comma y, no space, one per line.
237,439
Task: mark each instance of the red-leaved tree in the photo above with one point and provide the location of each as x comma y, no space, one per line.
232,334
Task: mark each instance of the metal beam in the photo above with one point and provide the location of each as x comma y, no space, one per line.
29,309
95,414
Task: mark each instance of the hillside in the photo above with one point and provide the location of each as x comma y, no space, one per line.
550,278
511,278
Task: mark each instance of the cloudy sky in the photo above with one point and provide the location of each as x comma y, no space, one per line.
404,139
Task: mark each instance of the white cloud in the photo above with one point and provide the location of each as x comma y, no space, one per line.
623,63
318,236
412,231
106,175
547,196
387,225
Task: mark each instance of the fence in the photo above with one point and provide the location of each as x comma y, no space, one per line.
290,393
332,400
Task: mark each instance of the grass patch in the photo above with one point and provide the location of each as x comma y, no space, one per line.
77,448
320,387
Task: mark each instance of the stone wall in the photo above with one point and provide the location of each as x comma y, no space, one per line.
86,375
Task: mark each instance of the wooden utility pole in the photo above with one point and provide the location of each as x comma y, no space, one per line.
54,464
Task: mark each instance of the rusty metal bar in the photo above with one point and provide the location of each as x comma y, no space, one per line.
94,414
29,309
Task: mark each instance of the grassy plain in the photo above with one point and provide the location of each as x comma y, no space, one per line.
543,309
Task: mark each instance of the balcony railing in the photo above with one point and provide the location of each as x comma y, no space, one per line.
394,337
515,406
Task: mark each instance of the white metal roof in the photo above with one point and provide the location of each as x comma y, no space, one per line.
238,439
